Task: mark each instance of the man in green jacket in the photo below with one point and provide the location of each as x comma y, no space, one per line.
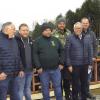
61,33
48,59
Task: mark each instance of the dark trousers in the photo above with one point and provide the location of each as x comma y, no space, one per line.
79,79
66,82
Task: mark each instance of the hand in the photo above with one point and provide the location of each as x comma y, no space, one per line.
94,59
3,76
61,67
34,70
70,68
40,71
21,74
90,67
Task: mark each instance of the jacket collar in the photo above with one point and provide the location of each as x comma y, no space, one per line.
5,35
60,31
87,31
18,37
76,36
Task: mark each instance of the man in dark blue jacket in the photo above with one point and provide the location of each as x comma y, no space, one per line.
78,56
10,62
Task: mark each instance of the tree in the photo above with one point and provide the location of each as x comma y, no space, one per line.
37,31
70,18
89,9
51,24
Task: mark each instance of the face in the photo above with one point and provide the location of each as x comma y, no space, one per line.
85,24
24,31
47,32
78,29
10,30
61,25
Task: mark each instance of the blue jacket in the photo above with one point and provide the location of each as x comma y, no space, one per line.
78,51
9,55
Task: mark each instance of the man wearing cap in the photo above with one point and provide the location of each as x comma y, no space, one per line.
48,59
61,33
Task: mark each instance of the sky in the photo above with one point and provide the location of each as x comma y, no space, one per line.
32,11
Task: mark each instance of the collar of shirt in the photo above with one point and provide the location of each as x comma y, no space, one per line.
80,36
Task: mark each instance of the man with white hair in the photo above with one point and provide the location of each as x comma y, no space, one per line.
78,56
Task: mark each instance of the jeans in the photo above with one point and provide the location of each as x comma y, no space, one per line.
9,84
24,86
55,77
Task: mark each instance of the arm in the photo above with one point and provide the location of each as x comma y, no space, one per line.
94,45
90,52
36,55
3,74
61,53
32,49
67,52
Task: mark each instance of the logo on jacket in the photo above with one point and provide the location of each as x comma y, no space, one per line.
53,43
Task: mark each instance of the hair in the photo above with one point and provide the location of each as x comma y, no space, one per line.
23,25
5,25
77,23
85,18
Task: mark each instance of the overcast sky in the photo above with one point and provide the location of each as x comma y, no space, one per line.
29,11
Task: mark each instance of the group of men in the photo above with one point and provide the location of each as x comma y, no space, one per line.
58,55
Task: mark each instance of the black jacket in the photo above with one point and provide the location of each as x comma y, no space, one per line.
48,53
22,52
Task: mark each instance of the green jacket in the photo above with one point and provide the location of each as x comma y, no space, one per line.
48,53
61,35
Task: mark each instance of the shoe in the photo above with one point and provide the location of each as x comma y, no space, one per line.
68,98
90,96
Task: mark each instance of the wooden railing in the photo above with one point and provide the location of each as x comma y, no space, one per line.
36,86
96,71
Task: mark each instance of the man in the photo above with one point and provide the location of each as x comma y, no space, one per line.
87,31
10,62
48,58
78,56
26,50
61,33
